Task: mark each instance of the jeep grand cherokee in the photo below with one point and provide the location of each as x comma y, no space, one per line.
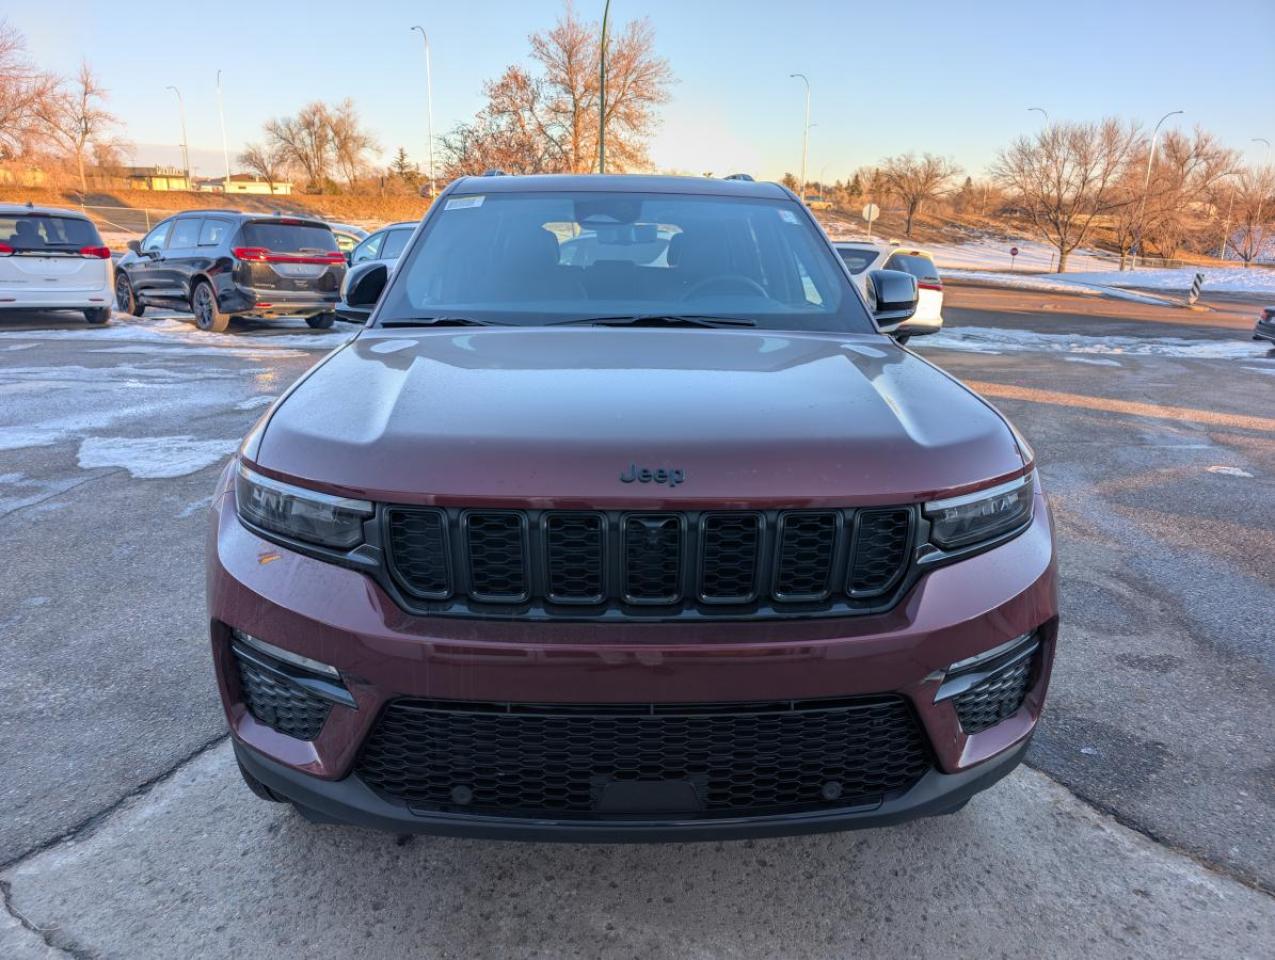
663,540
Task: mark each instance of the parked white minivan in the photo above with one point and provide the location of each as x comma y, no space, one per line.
52,259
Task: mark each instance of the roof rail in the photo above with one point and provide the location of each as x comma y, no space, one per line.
747,177
494,172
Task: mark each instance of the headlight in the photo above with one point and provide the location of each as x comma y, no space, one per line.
961,521
300,513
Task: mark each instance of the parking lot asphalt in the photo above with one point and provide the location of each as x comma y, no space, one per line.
1147,827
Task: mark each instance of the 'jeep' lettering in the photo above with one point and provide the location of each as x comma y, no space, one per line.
665,475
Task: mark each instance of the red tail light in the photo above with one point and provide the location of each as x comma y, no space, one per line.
5,250
101,253
931,285
262,255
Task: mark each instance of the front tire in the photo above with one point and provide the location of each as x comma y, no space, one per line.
208,316
97,315
125,298
321,321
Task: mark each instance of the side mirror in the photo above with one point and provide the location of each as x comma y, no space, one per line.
892,296
362,288
135,246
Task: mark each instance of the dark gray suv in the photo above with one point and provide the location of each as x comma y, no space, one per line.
221,264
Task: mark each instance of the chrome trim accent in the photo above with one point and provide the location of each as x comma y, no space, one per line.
986,493
305,493
970,672
285,656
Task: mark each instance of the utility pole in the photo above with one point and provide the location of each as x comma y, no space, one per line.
429,111
602,91
225,150
805,135
1146,183
181,107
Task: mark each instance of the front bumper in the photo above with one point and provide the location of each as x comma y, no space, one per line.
340,617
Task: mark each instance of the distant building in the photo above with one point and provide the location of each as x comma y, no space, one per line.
245,183
157,178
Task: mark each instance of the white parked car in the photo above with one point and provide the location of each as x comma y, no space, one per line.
861,256
52,259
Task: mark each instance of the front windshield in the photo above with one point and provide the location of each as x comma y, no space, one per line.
559,257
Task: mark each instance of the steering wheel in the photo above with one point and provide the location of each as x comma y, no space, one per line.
726,280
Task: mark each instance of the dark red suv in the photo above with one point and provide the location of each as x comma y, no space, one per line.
623,520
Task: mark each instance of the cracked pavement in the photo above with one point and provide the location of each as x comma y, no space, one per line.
1146,829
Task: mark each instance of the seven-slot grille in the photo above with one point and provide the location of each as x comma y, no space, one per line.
716,561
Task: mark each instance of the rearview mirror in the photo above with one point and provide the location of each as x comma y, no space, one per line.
362,288
135,246
892,296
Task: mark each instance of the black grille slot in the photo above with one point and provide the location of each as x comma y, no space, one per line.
738,759
497,545
574,556
807,547
996,698
418,544
729,545
653,558
281,705
880,551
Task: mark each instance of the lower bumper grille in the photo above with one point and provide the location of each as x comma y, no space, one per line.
996,698
714,760
279,704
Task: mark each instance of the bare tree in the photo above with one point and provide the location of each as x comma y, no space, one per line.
25,94
350,142
1065,177
1254,203
305,140
76,116
547,121
1159,212
914,180
268,161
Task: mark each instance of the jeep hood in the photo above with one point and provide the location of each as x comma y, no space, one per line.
540,417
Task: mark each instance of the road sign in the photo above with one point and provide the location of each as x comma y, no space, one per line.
1013,252
870,212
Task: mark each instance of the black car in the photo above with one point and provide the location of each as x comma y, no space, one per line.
1265,329
221,264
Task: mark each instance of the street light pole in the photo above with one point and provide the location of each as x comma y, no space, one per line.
602,91
225,150
1042,111
1146,183
181,107
429,111
805,134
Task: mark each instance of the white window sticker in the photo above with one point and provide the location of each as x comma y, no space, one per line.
787,216
464,203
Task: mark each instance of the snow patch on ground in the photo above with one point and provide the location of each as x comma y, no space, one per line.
1096,361
128,334
998,340
1230,471
154,458
1052,283
992,253
1258,281
252,403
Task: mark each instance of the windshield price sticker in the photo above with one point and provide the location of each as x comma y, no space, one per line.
464,203
787,216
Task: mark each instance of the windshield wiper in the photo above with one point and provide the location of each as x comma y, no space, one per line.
439,322
662,320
